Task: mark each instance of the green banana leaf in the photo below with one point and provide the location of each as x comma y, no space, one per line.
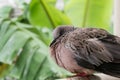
23,55
5,11
41,13
90,13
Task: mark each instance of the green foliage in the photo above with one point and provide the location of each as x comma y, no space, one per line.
91,13
43,14
24,40
23,49
5,11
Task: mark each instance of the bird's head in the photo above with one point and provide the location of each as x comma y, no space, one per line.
59,31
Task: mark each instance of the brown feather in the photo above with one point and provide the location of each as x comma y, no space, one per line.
86,49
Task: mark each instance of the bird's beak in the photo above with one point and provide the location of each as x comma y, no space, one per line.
53,42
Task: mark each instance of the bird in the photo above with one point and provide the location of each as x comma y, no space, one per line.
84,51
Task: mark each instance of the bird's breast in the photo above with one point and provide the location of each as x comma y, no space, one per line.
66,59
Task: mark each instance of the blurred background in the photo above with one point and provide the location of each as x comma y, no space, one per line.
26,31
